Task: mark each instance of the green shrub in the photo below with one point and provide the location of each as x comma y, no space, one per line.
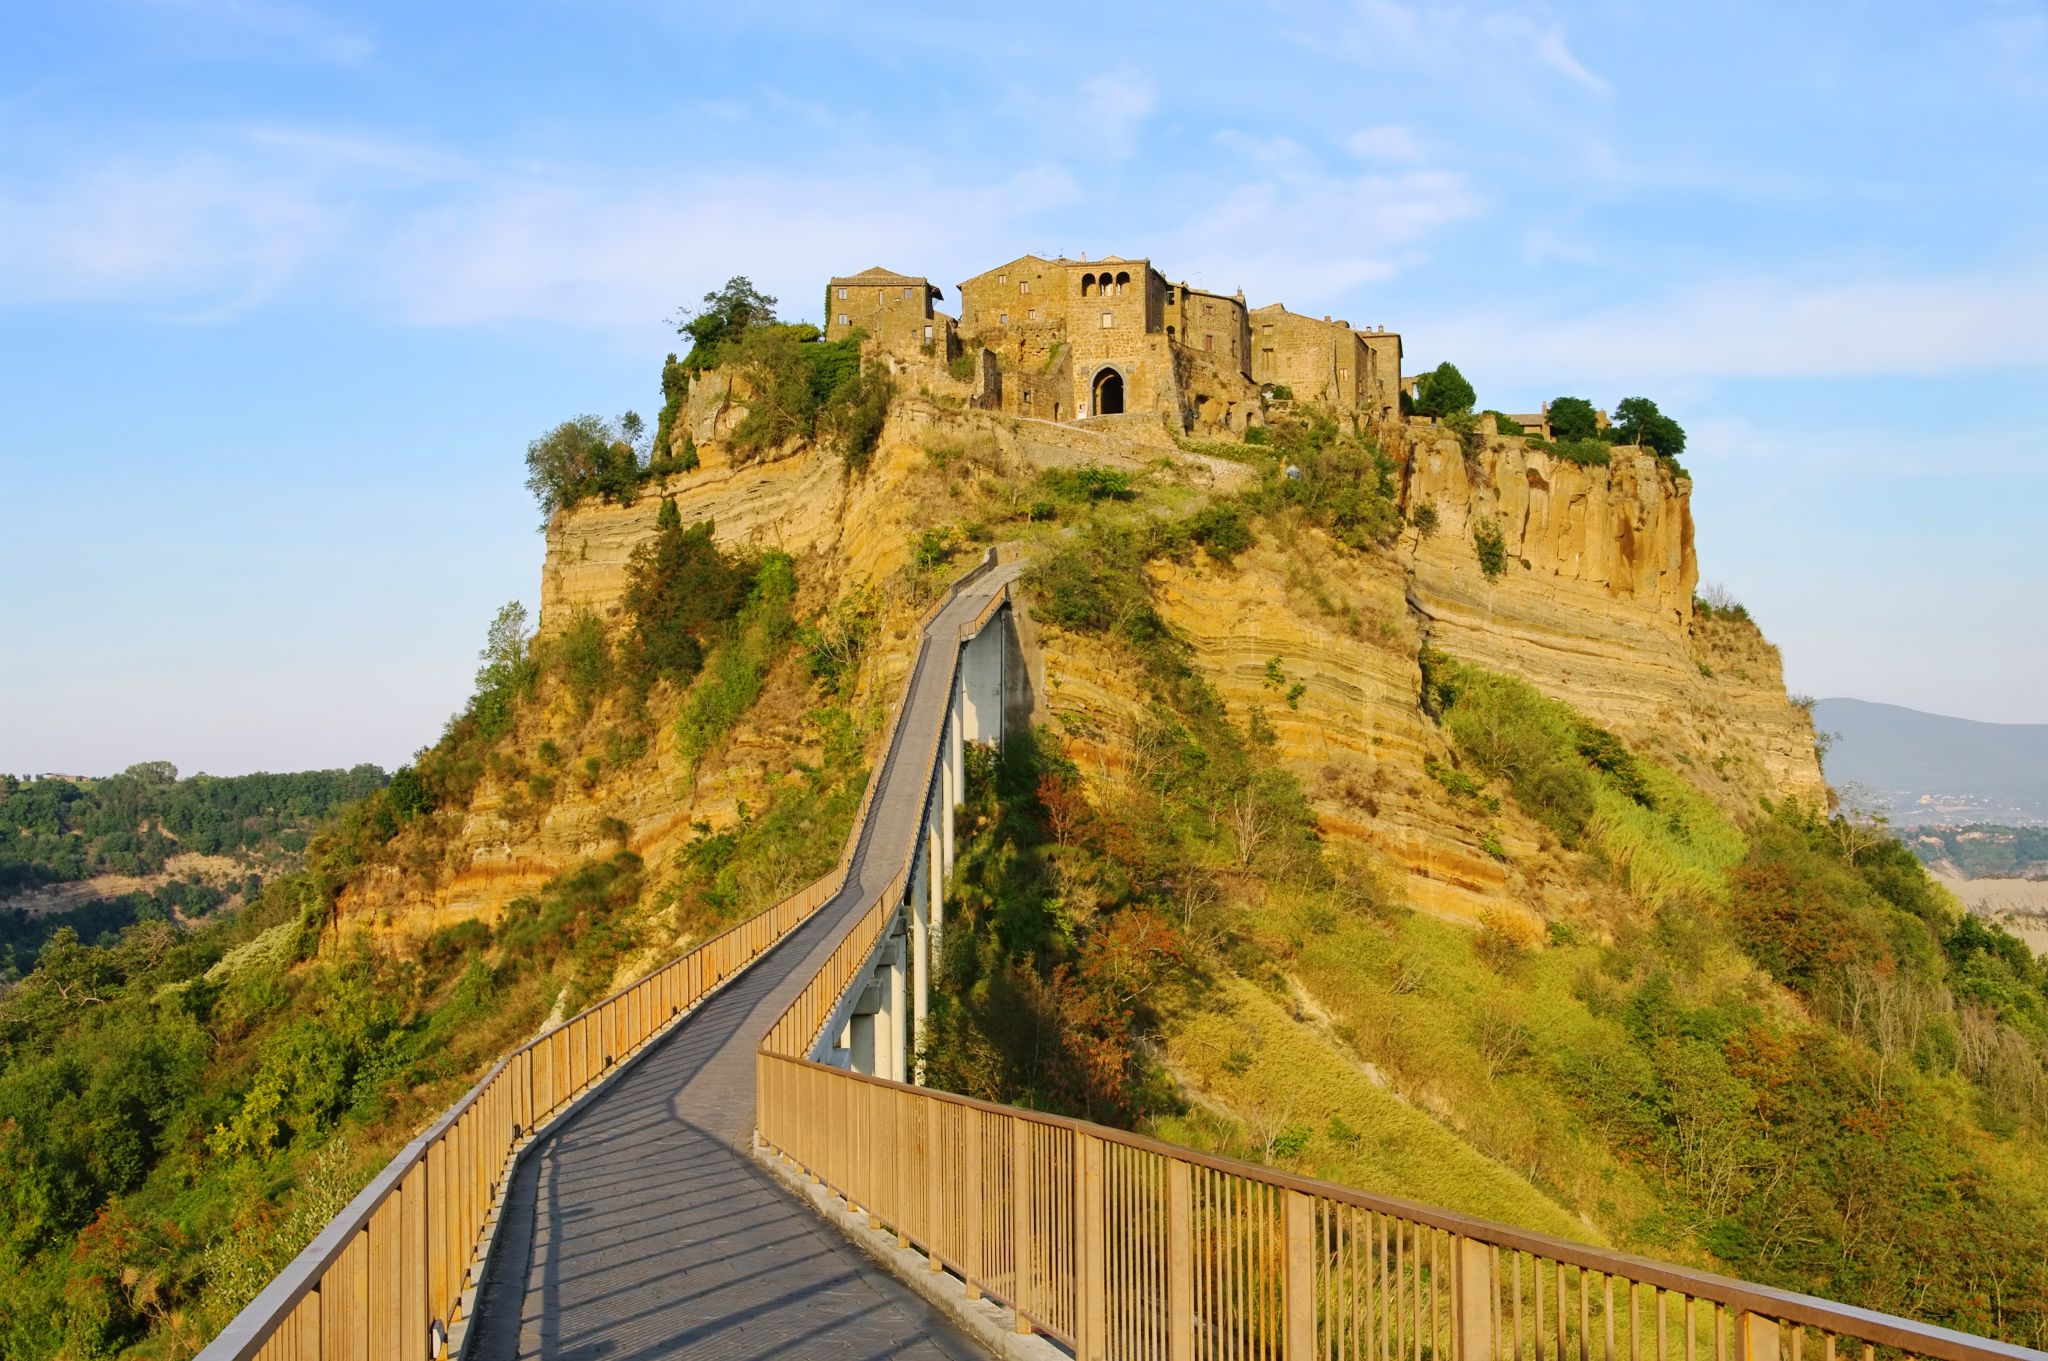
1087,483
1258,434
1504,425
580,458
1278,392
681,588
732,680
1425,519
1344,483
585,658
1221,530
1589,453
1491,549
1528,743
963,366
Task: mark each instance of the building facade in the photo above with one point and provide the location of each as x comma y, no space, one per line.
1080,339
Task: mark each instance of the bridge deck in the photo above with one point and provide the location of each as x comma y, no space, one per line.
642,1228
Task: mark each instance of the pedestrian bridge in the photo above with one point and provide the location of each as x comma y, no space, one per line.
605,1192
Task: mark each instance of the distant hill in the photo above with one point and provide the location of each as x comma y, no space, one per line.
1927,768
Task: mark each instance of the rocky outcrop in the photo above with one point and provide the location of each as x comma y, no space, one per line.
1595,606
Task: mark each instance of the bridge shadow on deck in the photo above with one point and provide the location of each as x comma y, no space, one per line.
638,1231
643,1228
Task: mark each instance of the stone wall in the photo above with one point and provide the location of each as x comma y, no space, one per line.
896,314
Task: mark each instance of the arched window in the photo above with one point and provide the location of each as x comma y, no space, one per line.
1169,332
1087,284
1108,393
1123,281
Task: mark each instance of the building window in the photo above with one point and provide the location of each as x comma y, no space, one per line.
1343,375
1108,320
1024,287
1169,295
1123,281
1087,284
906,295
927,335
1209,342
842,315
842,295
1006,319
1032,315
1002,278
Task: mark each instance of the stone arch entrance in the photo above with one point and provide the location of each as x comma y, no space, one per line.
1107,397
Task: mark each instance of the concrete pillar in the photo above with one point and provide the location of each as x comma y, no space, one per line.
889,1022
920,961
938,885
949,789
861,1033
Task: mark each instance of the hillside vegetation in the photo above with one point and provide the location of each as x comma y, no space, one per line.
112,847
1767,1043
182,1105
1279,872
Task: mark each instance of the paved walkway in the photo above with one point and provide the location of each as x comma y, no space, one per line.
643,1228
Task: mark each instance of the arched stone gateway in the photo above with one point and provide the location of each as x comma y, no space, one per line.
1108,395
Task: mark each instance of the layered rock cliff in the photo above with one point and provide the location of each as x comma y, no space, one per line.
1594,607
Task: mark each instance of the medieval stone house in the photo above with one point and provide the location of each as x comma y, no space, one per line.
1097,339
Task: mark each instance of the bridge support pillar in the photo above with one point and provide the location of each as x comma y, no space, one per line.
921,959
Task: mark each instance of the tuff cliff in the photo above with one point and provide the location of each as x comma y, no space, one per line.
1595,608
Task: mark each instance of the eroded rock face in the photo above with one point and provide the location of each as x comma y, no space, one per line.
1594,607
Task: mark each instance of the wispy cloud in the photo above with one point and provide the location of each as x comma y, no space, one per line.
1113,107
1756,327
1297,231
197,234
1501,39
299,28
1388,143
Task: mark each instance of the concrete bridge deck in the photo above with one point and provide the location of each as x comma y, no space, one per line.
642,1228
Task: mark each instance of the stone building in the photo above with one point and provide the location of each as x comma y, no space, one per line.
1327,362
1100,339
894,308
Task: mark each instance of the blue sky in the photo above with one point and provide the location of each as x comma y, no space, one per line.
285,289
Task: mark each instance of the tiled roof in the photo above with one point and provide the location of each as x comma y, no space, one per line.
878,277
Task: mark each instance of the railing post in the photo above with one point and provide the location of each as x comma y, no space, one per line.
1091,1258
1756,1337
1478,1302
938,1224
1180,1261
1020,1220
1300,1224
971,1192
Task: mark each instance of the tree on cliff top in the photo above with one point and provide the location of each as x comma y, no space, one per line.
1638,421
1572,418
726,315
1443,391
